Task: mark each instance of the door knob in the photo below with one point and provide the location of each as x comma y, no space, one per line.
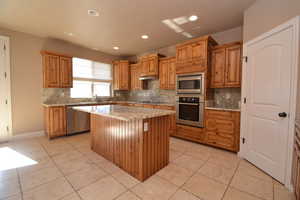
282,114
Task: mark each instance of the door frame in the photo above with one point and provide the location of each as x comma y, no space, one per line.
294,24
8,74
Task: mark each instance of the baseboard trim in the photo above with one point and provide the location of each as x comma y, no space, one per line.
27,135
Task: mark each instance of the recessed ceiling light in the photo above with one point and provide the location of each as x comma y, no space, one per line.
69,33
145,37
116,48
193,18
93,12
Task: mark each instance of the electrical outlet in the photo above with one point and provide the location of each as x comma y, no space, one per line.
146,128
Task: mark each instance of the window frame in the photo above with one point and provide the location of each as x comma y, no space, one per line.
93,81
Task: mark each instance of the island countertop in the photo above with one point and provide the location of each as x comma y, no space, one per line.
124,112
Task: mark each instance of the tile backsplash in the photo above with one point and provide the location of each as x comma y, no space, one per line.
223,98
153,93
227,98
63,95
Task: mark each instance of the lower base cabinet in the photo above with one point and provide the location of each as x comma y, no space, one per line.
222,129
55,121
296,164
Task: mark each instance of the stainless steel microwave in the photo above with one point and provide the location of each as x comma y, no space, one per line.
190,83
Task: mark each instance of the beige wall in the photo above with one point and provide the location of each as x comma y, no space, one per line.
26,75
264,15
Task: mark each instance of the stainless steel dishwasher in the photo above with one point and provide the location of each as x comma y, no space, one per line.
77,121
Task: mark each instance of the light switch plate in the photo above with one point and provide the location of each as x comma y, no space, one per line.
146,128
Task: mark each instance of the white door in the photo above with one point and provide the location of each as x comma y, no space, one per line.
268,89
4,90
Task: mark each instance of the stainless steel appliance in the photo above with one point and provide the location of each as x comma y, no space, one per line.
190,110
190,84
77,121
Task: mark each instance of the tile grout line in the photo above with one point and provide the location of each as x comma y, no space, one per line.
228,185
61,171
19,180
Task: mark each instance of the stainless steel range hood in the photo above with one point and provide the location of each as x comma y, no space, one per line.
143,78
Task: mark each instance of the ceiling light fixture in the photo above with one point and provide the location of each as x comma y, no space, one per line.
193,18
93,13
145,37
69,33
116,48
172,25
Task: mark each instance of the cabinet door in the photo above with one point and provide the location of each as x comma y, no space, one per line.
163,74
295,167
133,81
233,66
124,78
297,187
153,66
218,68
198,51
145,67
57,122
51,71
66,73
172,74
183,54
116,76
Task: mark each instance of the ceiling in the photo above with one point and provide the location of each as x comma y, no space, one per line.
120,22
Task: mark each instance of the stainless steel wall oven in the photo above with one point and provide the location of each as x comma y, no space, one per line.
190,110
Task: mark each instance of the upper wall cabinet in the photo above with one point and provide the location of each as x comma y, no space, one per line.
193,55
57,70
149,65
135,71
121,75
226,65
167,73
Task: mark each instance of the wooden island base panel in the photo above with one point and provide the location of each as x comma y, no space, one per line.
139,146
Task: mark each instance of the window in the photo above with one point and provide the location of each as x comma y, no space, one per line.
91,79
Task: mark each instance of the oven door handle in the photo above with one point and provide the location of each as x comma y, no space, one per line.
195,104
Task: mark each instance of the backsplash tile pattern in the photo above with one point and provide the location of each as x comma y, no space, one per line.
223,98
227,98
153,94
63,95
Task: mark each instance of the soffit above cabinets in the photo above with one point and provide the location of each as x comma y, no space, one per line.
120,23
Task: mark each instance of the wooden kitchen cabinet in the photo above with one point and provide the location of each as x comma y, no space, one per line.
149,64
55,121
167,73
135,71
226,66
57,70
223,129
194,55
121,75
296,163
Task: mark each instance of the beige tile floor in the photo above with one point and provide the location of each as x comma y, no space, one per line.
68,170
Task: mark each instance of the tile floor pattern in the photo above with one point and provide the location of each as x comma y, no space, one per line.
68,170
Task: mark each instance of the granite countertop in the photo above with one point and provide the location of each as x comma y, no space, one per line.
75,104
126,113
222,109
103,102
149,103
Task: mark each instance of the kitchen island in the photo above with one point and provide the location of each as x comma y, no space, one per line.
135,139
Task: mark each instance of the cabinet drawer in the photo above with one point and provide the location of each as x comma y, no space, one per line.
220,139
189,131
218,114
163,107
